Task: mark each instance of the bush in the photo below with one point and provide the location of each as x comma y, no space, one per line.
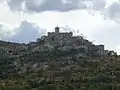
101,77
14,87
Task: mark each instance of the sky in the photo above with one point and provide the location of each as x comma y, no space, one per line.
25,20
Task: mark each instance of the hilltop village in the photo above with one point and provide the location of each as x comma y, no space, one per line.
59,60
66,41
61,41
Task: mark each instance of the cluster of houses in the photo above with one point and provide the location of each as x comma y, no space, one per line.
66,41
63,42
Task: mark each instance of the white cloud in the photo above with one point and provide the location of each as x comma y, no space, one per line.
45,5
93,27
26,32
9,17
118,49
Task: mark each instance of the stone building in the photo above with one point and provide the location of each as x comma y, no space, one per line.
57,38
66,41
101,50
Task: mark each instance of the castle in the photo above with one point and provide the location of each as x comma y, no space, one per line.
66,41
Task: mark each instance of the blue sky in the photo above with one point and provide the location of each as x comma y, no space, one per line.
25,20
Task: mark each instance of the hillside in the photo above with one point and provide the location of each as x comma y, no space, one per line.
59,61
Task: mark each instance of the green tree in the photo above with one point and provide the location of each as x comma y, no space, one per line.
101,77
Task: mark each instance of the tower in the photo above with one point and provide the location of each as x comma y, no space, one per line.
57,29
